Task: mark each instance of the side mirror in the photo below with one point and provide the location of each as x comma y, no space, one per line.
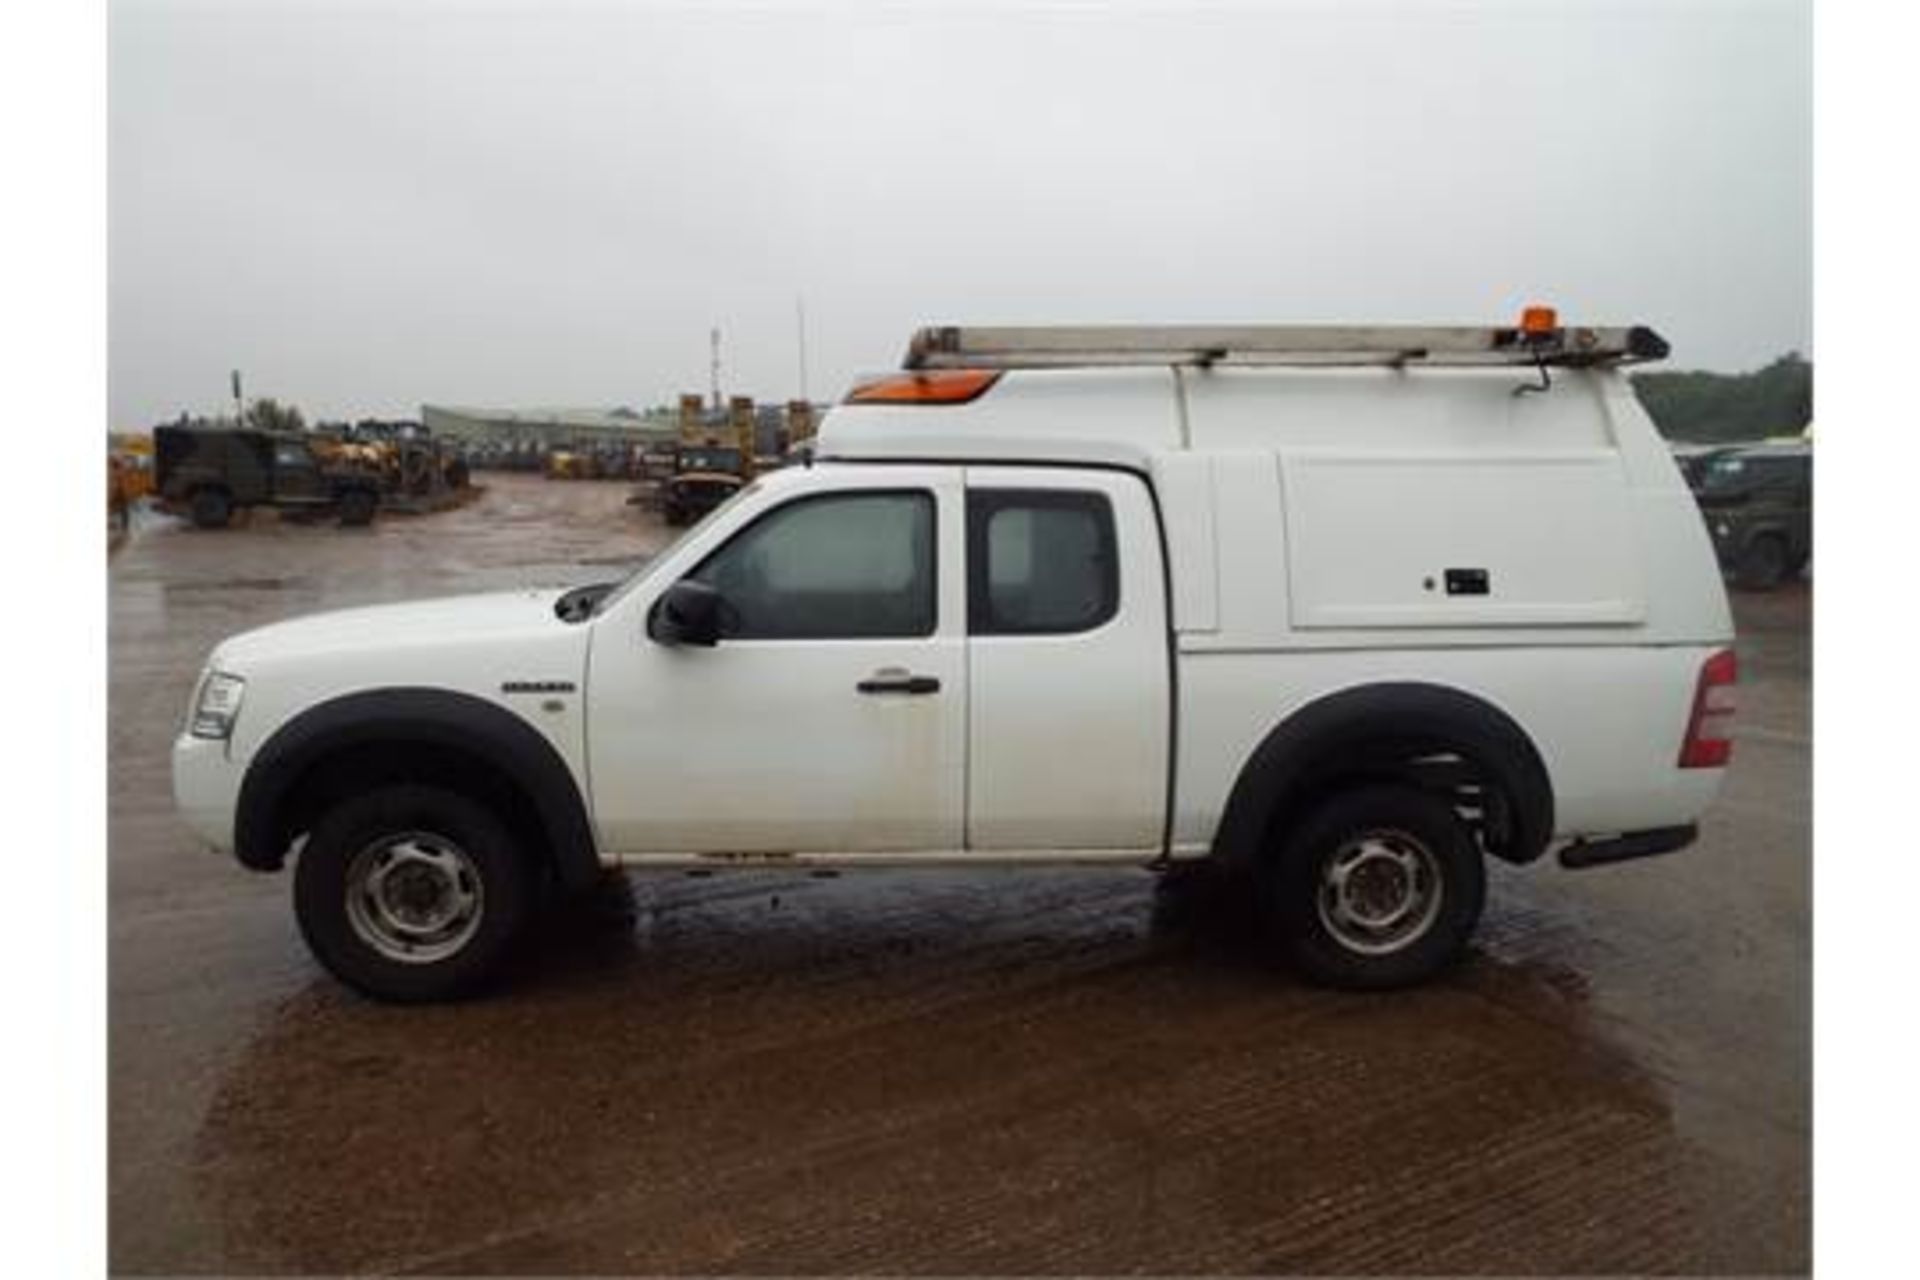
689,613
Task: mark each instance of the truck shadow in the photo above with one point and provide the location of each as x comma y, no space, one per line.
939,1072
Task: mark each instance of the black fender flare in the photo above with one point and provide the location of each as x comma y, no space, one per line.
1281,771
437,717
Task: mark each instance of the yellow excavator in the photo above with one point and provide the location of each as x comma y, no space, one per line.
129,475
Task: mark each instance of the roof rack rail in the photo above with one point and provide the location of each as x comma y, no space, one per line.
1205,346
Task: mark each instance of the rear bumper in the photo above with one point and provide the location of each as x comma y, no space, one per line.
1625,848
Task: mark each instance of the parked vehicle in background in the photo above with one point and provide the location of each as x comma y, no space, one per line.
704,476
1048,596
1757,501
209,473
129,476
1693,459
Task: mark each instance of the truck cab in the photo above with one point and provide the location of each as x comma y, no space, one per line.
1044,597
208,473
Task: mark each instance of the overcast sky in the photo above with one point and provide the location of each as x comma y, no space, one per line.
369,206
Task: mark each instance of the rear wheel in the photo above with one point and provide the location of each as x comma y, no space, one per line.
1380,886
212,508
1763,564
411,893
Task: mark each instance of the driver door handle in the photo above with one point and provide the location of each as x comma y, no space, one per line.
897,680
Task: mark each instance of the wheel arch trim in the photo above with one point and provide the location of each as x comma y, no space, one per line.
442,718
1279,772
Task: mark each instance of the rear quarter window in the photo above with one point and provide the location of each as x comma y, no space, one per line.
1040,562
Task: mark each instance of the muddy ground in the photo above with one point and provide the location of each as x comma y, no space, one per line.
934,1072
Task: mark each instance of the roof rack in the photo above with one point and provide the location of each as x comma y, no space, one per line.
1204,346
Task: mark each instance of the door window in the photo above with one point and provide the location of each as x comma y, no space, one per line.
1040,562
838,566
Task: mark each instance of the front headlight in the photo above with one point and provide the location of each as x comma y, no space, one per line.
217,706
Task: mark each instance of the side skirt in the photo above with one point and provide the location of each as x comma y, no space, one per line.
900,858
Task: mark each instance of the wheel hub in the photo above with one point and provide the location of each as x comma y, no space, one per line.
1379,892
415,897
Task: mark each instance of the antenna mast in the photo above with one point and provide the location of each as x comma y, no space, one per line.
800,311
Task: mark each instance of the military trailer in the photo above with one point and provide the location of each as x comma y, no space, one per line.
208,473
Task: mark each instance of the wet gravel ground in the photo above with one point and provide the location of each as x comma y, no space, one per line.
934,1072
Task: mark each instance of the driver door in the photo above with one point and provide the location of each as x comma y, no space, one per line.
831,715
296,473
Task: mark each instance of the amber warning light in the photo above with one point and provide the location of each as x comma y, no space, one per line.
941,386
1539,322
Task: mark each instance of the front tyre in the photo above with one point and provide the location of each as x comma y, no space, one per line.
357,507
1378,887
212,508
410,893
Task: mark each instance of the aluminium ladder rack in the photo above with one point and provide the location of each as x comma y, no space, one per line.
1204,346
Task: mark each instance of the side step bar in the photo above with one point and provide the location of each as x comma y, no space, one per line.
1634,844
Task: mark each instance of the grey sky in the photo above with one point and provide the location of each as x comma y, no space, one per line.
368,206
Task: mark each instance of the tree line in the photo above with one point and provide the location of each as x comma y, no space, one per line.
1715,407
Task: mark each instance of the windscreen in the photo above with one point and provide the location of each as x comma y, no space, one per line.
710,460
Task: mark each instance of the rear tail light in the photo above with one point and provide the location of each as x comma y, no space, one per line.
940,386
1709,740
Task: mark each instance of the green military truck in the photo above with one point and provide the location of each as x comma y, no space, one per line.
1758,504
208,473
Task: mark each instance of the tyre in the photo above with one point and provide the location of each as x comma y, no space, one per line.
1763,564
1380,886
356,507
411,893
212,508
416,474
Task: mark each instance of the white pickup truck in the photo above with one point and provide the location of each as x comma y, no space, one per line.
1348,609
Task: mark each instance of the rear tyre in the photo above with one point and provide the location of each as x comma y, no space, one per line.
212,508
411,893
1378,887
1763,564
356,508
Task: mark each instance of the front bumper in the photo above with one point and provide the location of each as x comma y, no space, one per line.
206,788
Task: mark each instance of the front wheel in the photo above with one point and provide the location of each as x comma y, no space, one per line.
410,893
356,507
212,508
1380,886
